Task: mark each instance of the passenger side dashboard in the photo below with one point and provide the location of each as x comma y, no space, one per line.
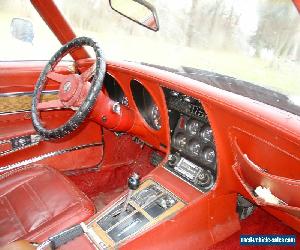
192,118
225,111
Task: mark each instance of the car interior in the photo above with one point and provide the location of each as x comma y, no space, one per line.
104,154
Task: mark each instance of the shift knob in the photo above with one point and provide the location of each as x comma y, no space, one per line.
133,184
134,181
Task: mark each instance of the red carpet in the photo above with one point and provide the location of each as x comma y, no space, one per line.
260,222
114,176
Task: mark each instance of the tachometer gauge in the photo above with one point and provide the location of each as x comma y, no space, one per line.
114,90
194,147
206,133
180,141
192,126
148,109
209,155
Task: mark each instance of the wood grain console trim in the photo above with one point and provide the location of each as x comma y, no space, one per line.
16,102
111,244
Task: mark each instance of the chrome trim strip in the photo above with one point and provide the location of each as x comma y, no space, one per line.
46,155
34,138
29,93
15,112
29,111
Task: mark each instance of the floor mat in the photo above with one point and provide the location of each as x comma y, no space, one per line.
260,222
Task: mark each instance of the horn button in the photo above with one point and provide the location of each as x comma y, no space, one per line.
70,90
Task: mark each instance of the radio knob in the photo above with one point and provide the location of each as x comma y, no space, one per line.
173,159
203,178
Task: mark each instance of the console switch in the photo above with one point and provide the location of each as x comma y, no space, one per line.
160,205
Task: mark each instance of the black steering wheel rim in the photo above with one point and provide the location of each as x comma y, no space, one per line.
85,108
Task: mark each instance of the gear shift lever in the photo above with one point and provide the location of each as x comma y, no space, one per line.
133,184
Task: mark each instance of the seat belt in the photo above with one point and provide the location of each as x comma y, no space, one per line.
62,238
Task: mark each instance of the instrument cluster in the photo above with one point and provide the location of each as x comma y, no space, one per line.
194,139
193,151
143,100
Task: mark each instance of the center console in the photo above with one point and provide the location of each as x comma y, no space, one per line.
148,205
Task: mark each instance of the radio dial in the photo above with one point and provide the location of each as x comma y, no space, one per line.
203,179
173,159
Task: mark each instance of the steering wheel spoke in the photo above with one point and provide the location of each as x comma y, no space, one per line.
53,104
60,78
87,74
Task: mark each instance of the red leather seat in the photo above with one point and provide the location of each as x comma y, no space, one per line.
37,202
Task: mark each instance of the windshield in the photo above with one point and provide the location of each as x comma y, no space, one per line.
44,43
252,40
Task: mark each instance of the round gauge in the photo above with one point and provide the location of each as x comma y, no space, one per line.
114,90
155,115
209,155
180,141
194,147
206,133
145,104
192,126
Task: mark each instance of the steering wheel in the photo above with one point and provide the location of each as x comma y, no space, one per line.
75,90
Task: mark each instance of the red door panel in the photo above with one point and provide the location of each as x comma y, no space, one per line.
17,80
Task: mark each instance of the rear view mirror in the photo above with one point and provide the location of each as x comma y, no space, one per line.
139,11
22,29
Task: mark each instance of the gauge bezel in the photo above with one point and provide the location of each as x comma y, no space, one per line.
191,141
201,132
188,124
114,89
145,103
202,155
175,141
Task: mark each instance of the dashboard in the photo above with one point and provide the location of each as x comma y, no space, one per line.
191,127
191,147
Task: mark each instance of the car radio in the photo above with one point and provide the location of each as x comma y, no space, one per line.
190,172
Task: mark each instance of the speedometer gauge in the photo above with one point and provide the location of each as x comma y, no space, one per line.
114,90
147,107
